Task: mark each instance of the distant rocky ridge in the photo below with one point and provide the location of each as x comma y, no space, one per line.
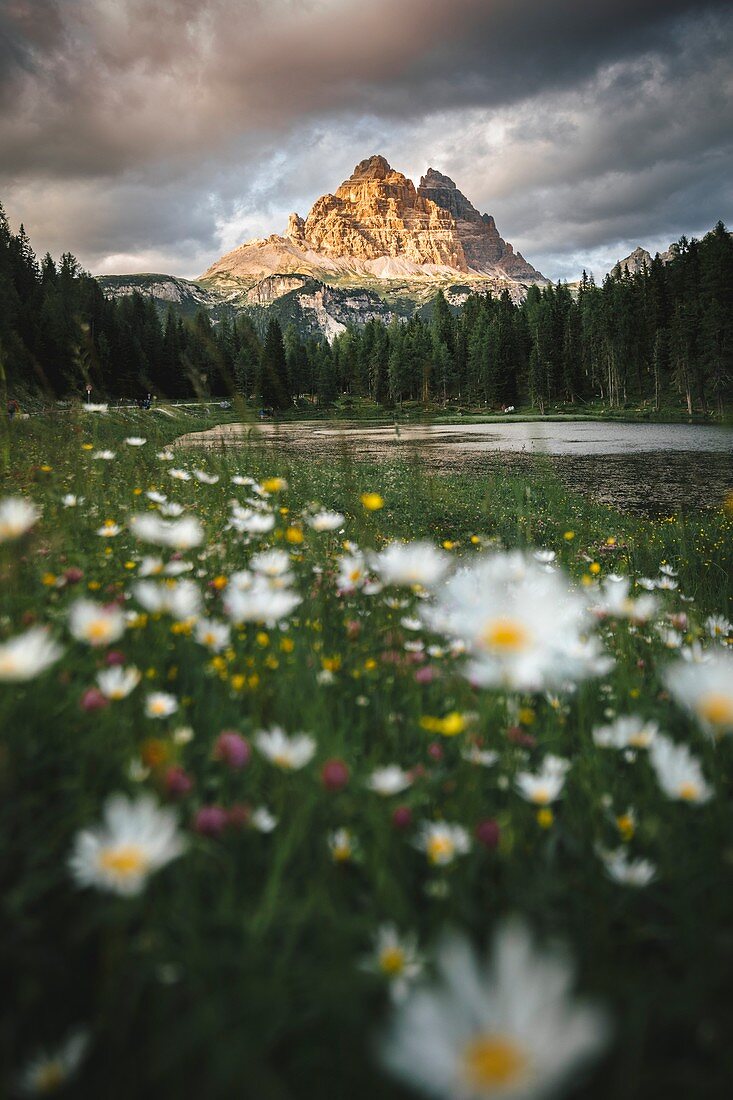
637,260
378,247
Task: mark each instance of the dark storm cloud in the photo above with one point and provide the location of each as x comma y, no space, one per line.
151,128
100,86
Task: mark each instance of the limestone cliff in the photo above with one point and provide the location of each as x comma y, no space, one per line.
484,249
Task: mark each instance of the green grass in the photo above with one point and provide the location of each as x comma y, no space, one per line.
237,971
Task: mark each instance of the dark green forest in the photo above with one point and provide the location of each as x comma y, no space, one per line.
662,337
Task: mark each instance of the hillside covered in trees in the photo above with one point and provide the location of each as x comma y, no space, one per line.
662,336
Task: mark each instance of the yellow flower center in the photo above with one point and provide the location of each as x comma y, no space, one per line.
507,635
440,849
493,1062
124,860
392,960
716,709
689,792
282,759
49,1077
98,630
342,852
541,796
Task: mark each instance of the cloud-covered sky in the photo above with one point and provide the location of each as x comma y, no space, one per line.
153,135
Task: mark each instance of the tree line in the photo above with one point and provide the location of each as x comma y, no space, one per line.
662,336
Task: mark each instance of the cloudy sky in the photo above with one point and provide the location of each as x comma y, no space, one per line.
153,135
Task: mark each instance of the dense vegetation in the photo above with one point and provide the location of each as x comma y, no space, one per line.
663,337
247,966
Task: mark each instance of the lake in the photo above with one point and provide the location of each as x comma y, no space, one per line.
638,467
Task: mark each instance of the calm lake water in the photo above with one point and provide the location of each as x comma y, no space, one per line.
646,467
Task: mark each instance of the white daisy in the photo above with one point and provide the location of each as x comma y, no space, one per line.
262,820
17,515
414,563
135,441
117,682
615,602
180,599
525,629
626,731
96,624
389,780
705,690
486,758
325,521
546,785
342,845
261,603
395,958
247,521
718,627
28,655
288,752
183,534
135,839
160,704
679,773
505,1029
212,634
626,871
109,529
442,841
49,1070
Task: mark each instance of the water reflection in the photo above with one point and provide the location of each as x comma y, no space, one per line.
638,467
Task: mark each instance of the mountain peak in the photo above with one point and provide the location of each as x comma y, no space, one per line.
373,168
434,178
378,225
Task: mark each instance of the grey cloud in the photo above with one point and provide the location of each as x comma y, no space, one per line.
106,87
163,132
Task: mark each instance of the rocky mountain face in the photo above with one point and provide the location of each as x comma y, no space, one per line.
379,226
379,246
483,248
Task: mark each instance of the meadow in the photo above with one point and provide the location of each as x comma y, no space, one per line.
291,749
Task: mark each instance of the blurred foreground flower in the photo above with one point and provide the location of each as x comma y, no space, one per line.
509,1029
409,564
287,752
96,624
442,841
679,773
182,534
705,690
135,839
27,655
525,628
17,515
50,1070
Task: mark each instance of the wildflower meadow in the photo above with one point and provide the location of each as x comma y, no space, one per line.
343,779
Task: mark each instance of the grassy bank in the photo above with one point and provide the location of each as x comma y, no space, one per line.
247,964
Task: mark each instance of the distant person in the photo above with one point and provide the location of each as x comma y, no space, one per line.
13,409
